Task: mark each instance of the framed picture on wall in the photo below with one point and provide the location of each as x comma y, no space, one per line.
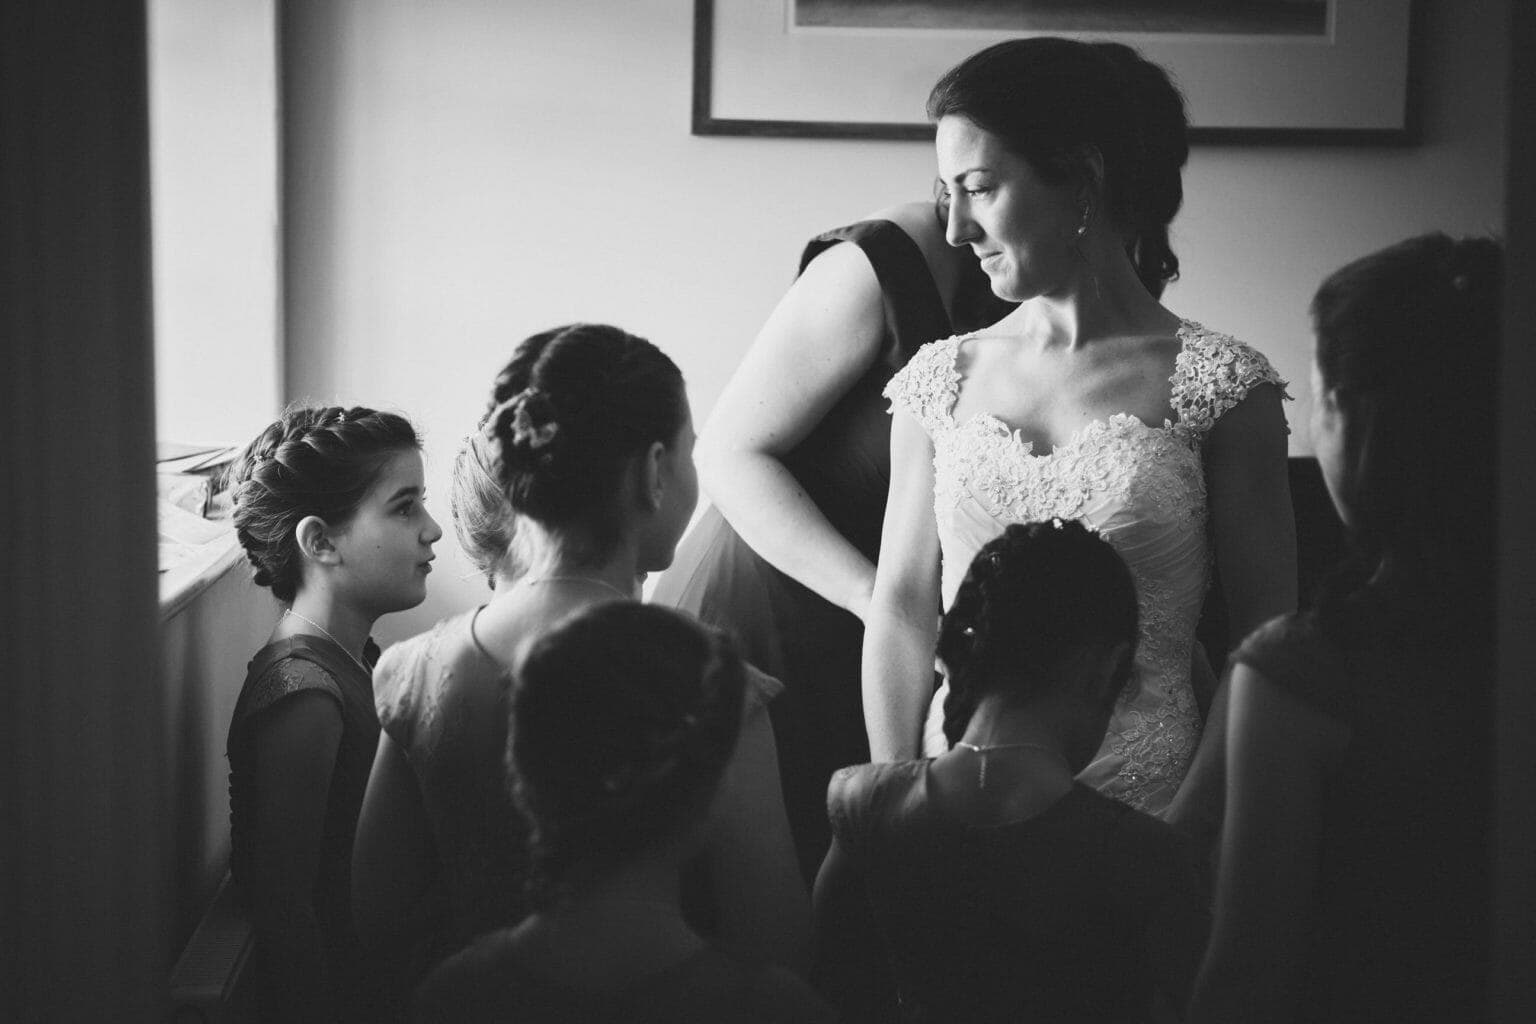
1252,71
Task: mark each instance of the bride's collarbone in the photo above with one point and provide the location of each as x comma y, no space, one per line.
1050,405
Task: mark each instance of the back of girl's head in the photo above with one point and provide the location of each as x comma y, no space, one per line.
572,406
1412,333
622,722
482,518
1055,101
311,462
1033,600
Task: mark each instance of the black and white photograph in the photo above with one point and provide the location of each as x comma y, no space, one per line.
768,511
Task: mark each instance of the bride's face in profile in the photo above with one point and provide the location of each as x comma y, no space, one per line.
1023,229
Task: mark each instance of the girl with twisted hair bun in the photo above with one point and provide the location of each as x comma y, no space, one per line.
590,443
328,504
623,723
1001,887
1060,162
482,520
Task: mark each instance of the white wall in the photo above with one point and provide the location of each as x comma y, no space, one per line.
463,174
214,206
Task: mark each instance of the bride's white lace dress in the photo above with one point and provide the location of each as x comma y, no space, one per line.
1142,487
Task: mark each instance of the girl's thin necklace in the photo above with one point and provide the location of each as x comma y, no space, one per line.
327,634
536,580
982,752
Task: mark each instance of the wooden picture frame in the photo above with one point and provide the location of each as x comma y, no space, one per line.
757,72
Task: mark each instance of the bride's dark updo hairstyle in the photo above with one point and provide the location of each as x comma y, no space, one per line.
1054,101
1033,600
572,406
622,721
1411,333
311,462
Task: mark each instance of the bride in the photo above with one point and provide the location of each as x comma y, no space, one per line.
1061,164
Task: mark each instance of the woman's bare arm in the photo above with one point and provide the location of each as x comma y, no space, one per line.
901,629
1254,535
1252,520
820,339
1278,755
392,858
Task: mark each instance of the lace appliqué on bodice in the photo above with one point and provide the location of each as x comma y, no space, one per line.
1212,373
1142,487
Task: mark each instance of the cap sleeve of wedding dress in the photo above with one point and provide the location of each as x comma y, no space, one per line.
927,386
1212,374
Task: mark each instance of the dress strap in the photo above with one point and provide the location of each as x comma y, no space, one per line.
914,311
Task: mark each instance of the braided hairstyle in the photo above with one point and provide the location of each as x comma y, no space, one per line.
622,721
1413,330
1054,101
568,411
312,462
1032,599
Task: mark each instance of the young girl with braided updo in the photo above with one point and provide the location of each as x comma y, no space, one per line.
591,444
623,723
328,504
1355,845
1002,887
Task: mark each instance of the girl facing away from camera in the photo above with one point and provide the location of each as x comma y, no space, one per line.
328,504
1000,886
1355,843
589,440
622,726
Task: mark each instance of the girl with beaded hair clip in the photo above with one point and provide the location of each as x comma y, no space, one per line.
328,504
1354,848
622,725
592,443
1001,887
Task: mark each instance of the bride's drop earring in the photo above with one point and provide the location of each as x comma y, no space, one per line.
1077,244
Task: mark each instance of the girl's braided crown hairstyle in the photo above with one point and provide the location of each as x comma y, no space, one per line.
572,405
622,721
1032,597
312,462
1053,101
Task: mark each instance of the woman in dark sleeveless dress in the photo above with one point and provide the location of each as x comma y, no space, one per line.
796,459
